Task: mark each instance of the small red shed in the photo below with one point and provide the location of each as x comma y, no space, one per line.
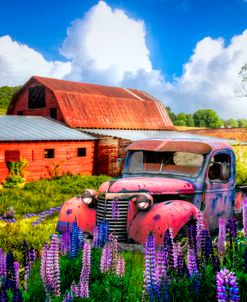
49,147
89,106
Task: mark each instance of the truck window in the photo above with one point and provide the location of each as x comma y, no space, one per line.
219,168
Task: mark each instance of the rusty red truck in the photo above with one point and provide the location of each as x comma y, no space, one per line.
165,183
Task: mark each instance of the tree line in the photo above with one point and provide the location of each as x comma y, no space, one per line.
205,118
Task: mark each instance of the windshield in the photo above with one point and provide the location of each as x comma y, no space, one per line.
178,163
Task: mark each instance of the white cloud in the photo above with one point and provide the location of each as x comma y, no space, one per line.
210,78
19,62
105,44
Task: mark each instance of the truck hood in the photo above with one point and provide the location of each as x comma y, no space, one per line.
153,185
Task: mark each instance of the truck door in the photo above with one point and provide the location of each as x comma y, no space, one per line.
219,187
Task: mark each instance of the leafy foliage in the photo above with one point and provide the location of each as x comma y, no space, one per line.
17,173
207,118
241,165
6,94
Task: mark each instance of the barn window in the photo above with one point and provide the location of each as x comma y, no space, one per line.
81,152
49,153
36,97
12,155
20,112
53,113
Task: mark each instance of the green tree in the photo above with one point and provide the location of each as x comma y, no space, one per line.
181,119
242,123
207,118
230,123
172,115
6,94
190,120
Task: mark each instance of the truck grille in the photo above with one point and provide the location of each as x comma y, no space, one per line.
116,226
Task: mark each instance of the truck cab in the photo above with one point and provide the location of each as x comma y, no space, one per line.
165,184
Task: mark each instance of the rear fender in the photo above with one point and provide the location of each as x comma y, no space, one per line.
75,209
170,214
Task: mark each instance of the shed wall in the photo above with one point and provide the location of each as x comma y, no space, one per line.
39,167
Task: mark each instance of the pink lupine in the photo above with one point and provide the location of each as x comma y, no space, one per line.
244,205
106,259
161,266
222,237
120,266
56,271
95,236
114,244
227,287
85,272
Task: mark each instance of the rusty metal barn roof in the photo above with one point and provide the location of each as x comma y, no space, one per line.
36,128
133,135
227,133
97,106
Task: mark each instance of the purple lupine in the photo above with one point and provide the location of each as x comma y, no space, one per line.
75,289
25,263
169,249
231,227
69,297
151,285
199,228
207,245
17,296
43,266
17,274
120,266
65,242
114,245
192,236
103,233
244,205
2,263
106,259
227,287
245,259
192,264
95,236
222,237
161,265
115,209
10,271
85,271
180,257
49,268
56,271
81,239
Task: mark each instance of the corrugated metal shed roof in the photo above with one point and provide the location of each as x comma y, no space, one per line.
227,133
97,106
145,134
36,128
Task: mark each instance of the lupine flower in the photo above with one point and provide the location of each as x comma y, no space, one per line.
161,266
106,259
26,263
206,244
222,237
199,228
43,214
150,278
114,246
43,266
10,271
56,271
74,241
65,242
95,236
192,264
81,239
85,271
75,289
169,249
227,287
244,205
103,233
120,266
17,274
192,237
180,257
231,228
115,209
69,297
17,296
2,263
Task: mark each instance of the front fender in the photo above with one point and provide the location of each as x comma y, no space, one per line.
169,214
75,209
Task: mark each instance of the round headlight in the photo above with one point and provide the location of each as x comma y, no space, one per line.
88,197
144,201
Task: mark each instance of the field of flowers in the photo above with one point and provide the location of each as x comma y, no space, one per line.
37,264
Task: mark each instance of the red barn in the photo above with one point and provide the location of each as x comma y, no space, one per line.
49,147
91,107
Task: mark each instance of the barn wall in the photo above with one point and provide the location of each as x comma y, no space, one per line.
20,104
40,167
109,155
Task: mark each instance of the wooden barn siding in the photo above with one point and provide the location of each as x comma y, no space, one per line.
65,154
108,152
21,104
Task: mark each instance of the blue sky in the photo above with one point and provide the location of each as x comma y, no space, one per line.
185,52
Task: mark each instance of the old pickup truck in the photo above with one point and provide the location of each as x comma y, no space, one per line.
165,183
